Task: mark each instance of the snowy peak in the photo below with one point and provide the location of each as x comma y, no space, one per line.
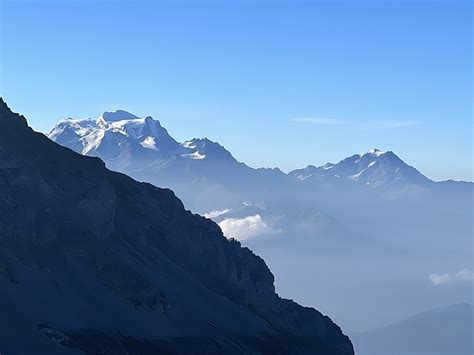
375,151
118,137
129,124
118,115
374,168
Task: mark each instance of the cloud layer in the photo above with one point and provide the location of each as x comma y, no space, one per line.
463,275
245,228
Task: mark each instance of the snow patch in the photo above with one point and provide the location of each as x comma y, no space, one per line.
189,144
304,177
375,151
92,140
149,142
195,156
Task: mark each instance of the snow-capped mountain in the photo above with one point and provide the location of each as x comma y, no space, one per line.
88,135
120,138
138,146
374,168
126,141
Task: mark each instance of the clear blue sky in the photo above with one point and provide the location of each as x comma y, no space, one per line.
277,83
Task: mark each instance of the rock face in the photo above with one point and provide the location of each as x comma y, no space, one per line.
93,261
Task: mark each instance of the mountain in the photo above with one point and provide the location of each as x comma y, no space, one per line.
92,260
122,139
441,331
197,169
132,144
375,168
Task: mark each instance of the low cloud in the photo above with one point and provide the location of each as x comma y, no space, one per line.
463,275
358,124
217,213
245,228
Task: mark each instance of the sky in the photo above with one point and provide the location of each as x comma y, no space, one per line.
282,84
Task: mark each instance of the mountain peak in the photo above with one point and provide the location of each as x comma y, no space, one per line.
8,116
3,104
117,115
204,147
374,168
118,137
375,151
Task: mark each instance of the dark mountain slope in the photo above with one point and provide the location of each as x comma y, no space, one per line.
93,260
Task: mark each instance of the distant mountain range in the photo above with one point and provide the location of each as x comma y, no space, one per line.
93,261
144,149
442,331
127,142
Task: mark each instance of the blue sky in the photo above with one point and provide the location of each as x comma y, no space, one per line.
277,83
